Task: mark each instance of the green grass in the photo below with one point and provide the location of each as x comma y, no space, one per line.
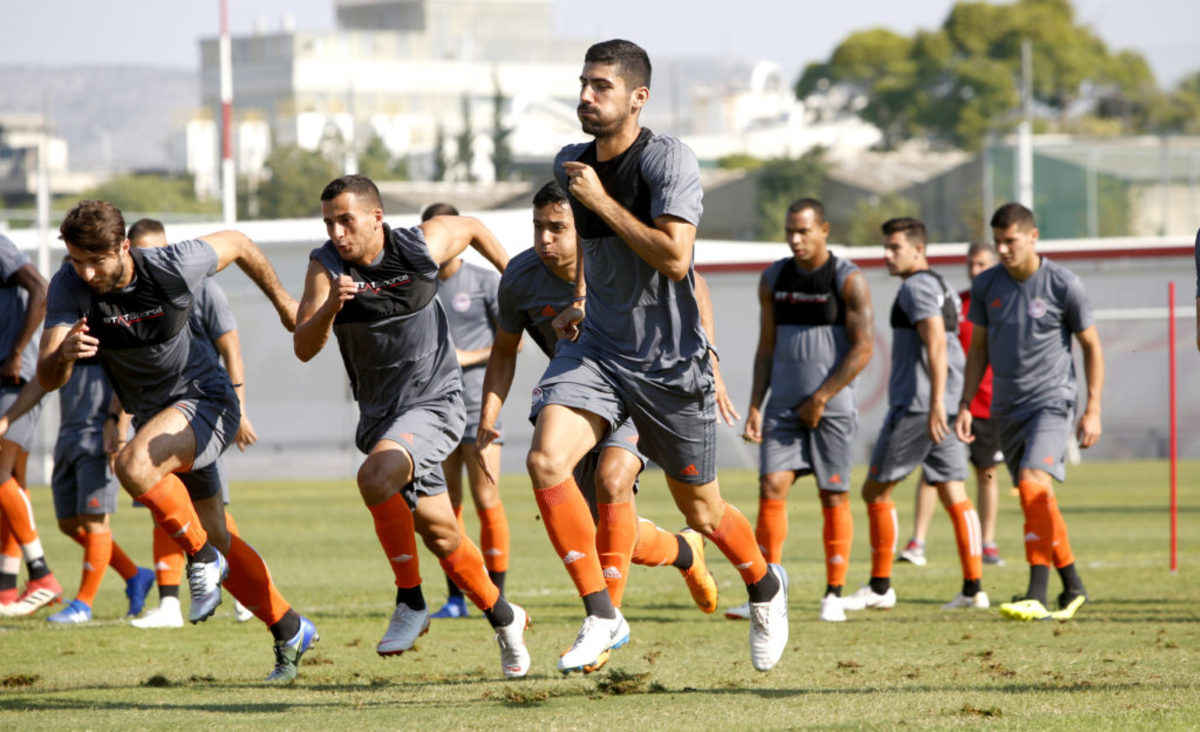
1128,660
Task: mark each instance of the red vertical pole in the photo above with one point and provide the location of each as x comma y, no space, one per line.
1174,449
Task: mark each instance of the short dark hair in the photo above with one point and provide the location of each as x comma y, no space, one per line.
359,185
802,204
981,246
93,226
631,61
1013,213
438,209
913,229
145,227
550,193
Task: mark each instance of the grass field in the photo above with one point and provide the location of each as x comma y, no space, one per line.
1130,659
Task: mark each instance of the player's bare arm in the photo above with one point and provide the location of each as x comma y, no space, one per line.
230,349
932,332
448,236
321,302
60,347
977,363
566,323
860,330
34,284
234,246
725,408
497,380
763,357
667,246
1088,430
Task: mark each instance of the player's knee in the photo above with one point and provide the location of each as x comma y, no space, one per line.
774,487
546,468
376,483
134,471
613,487
441,540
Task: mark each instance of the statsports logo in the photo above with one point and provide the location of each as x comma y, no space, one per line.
128,319
384,284
796,297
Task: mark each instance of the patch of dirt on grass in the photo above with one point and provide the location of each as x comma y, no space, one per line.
617,683
157,681
17,680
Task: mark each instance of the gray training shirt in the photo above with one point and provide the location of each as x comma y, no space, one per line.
13,299
635,314
469,299
393,336
805,355
529,297
150,367
83,407
211,315
922,296
1029,328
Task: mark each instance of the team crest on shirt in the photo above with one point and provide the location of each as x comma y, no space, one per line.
461,302
1037,307
536,396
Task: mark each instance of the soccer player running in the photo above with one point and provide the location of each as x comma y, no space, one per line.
538,284
374,288
468,295
211,319
985,452
815,336
131,307
1025,312
641,354
926,376
22,305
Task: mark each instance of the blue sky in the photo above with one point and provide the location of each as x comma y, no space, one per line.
791,32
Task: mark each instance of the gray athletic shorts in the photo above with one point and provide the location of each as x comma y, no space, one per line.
206,482
214,420
82,483
825,452
624,437
1037,440
674,411
23,430
428,433
904,443
985,450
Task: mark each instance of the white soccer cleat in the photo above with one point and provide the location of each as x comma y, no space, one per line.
741,612
864,598
832,609
769,625
166,615
241,613
597,637
204,584
405,627
514,656
914,553
978,601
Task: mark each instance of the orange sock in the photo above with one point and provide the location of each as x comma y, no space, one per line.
168,559
735,539
97,552
1039,522
1062,545
230,524
18,512
838,534
569,524
881,518
465,568
250,582
120,561
493,535
969,536
394,527
172,509
655,547
616,535
772,528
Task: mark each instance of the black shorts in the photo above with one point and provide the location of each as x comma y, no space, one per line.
985,450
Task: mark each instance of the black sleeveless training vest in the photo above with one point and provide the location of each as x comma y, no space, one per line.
808,298
392,287
142,316
901,320
623,181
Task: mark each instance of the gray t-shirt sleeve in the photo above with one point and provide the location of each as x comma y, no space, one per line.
67,299
11,258
416,250
977,312
673,175
1077,309
509,317
922,298
215,313
181,269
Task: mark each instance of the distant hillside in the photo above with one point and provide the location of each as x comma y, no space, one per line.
135,108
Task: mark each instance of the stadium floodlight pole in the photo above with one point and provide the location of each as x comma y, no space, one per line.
228,185
1174,438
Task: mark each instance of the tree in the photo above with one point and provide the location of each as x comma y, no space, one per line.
376,162
441,165
294,182
863,227
502,156
783,180
152,194
466,153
